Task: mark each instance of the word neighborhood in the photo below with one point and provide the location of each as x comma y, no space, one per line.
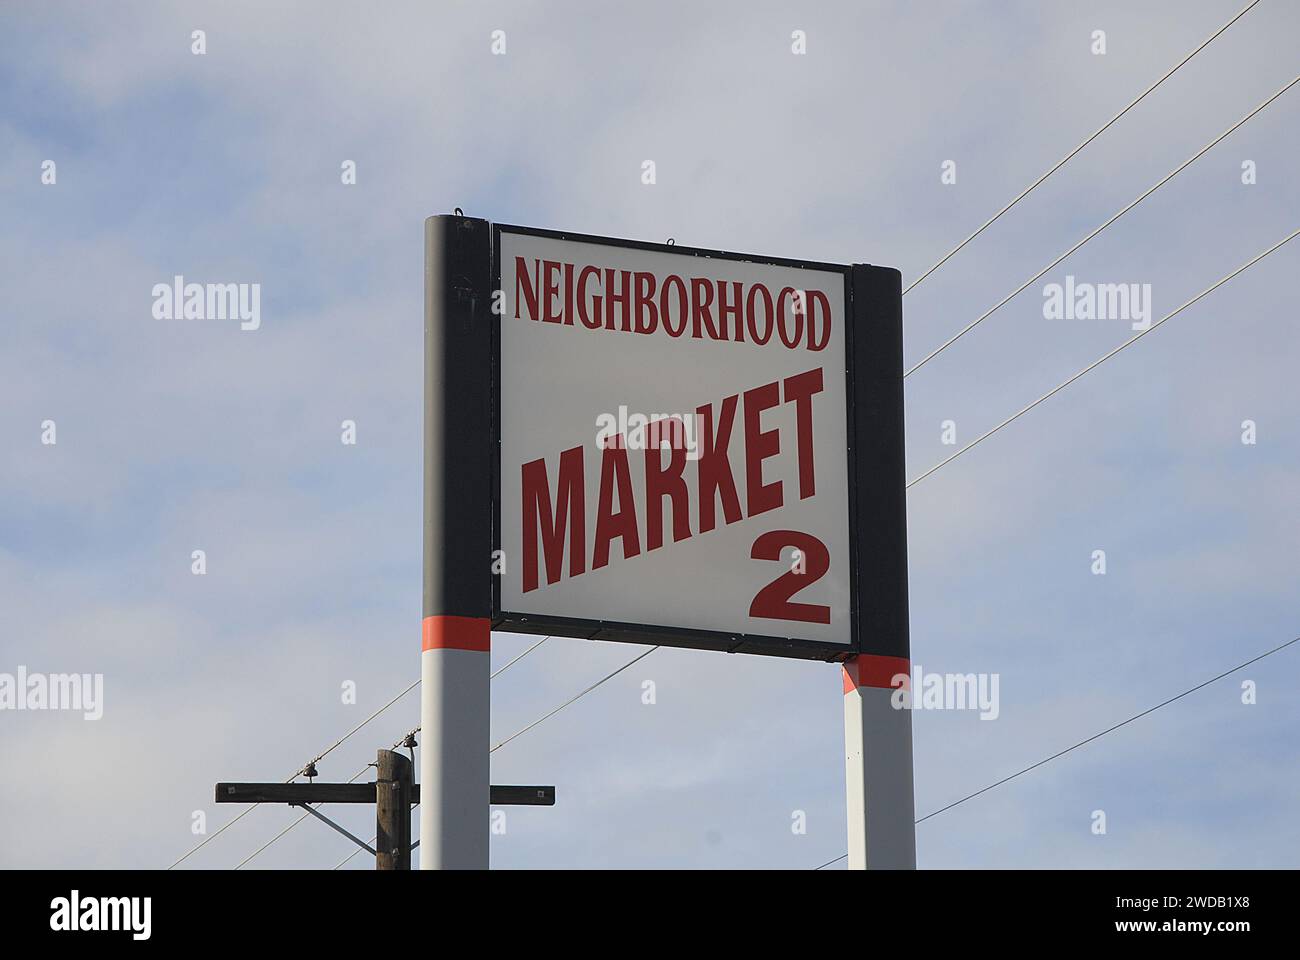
635,301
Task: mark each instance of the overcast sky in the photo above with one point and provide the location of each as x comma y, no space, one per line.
177,435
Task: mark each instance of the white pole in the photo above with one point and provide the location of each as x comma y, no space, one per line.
454,722
878,766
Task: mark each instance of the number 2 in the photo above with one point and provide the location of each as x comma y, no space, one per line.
773,601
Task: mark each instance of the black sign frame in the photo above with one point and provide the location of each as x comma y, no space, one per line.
875,455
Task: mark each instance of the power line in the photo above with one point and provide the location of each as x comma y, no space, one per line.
571,700
1038,276
212,836
518,658
1096,736
1096,363
574,699
297,773
341,739
535,723
1069,156
1111,729
399,742
842,856
315,806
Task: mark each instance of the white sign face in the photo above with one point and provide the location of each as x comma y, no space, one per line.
673,440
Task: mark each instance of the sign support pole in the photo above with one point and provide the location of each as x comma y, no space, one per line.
456,630
878,737
878,767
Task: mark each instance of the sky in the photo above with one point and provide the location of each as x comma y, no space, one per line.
175,435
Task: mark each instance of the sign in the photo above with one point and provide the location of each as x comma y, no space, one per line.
675,458
661,445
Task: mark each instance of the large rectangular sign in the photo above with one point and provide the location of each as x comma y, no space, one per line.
663,445
675,445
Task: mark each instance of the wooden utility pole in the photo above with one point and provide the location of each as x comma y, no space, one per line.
393,793
393,811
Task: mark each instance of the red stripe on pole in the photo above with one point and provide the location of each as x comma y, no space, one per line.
457,633
870,670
